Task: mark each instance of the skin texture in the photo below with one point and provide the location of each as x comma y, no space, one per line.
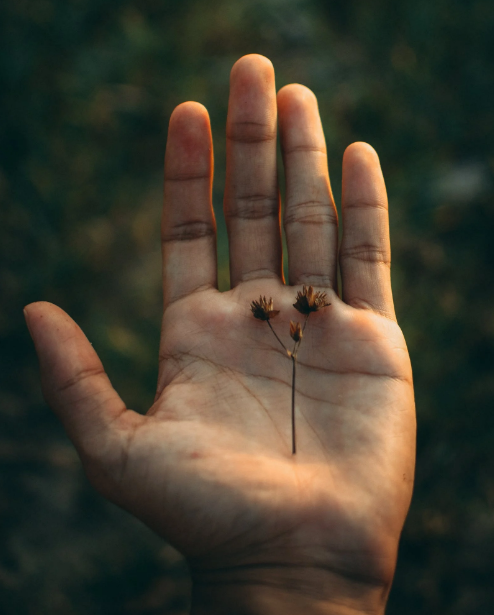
210,467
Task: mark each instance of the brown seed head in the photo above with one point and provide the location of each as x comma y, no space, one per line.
309,301
295,331
263,309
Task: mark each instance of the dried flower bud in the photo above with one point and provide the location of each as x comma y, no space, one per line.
263,309
295,331
309,301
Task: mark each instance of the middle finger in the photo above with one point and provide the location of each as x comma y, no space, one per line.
252,208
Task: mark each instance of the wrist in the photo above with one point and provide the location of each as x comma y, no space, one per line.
269,591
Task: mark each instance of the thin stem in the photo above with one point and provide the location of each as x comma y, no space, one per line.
294,368
296,346
276,336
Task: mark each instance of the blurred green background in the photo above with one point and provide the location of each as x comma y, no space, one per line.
87,89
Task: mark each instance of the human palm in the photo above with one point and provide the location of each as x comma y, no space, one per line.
210,467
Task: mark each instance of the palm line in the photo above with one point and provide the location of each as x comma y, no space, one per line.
244,386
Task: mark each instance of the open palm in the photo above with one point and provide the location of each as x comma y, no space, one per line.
210,466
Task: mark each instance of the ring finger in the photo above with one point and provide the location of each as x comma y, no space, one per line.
311,222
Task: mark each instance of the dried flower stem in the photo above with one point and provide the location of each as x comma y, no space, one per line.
294,372
276,336
293,357
306,301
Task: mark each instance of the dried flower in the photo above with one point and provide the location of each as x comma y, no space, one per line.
309,301
295,331
306,302
263,309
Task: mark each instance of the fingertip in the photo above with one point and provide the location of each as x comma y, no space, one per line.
252,90
294,95
40,307
189,121
43,311
30,306
298,114
188,110
252,63
189,145
360,152
252,110
299,120
362,173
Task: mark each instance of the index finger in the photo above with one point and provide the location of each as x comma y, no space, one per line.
188,228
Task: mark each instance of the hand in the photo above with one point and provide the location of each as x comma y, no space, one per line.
210,466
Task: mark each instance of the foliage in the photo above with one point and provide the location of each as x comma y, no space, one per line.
88,86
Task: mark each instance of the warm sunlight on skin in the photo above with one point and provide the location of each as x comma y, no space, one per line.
210,467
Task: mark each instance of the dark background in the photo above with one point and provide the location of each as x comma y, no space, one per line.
87,90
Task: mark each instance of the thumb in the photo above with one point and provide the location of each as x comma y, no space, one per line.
75,384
